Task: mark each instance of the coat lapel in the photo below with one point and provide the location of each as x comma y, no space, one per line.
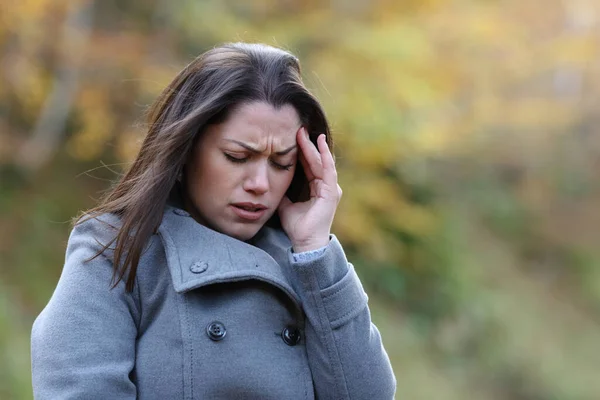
198,256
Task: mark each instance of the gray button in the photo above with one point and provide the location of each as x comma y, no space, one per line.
216,331
180,212
199,267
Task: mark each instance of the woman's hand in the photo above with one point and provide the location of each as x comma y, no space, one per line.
308,224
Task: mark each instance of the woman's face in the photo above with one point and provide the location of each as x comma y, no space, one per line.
241,169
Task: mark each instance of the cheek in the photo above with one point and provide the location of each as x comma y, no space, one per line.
282,181
200,177
220,178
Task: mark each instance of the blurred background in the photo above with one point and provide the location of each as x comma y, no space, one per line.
467,145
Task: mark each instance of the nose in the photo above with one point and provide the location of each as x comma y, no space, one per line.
257,180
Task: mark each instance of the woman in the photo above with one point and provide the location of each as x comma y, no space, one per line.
209,271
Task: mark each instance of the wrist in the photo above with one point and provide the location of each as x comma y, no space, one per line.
309,246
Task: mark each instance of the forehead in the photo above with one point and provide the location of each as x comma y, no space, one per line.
259,121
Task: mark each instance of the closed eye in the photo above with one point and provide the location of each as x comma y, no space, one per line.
236,159
241,160
282,167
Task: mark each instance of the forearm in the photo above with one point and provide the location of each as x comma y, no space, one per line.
344,348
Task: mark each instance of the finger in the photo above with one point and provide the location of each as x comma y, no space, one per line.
329,171
301,158
307,172
311,155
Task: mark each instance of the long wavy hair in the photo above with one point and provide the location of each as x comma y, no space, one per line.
203,93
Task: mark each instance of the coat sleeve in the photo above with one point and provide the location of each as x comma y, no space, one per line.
83,341
345,352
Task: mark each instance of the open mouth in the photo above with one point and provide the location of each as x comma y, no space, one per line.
249,208
249,211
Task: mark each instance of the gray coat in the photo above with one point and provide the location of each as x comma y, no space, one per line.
210,317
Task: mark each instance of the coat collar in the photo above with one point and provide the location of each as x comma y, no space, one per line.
198,256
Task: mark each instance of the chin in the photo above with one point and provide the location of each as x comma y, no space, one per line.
242,233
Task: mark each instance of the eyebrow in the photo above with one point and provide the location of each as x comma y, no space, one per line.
257,151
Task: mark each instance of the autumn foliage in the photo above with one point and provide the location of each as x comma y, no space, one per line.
466,143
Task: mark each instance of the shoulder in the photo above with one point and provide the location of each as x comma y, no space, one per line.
100,233
97,231
97,223
92,244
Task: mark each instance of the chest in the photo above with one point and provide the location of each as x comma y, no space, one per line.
240,339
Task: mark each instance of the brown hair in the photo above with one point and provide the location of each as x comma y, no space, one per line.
203,93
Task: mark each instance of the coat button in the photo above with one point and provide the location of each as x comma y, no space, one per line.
216,331
291,336
199,267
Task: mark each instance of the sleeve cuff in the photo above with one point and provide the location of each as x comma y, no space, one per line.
308,255
329,267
